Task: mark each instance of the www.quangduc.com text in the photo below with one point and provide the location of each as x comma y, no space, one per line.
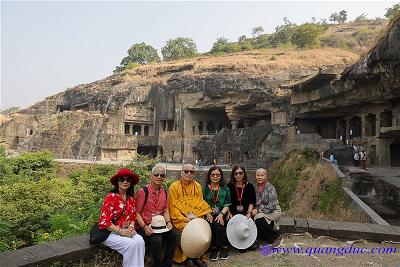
338,251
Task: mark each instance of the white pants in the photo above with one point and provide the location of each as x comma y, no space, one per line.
131,248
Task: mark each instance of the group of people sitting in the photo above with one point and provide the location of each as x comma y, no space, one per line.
154,217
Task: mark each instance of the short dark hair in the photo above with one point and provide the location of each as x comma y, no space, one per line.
213,168
232,180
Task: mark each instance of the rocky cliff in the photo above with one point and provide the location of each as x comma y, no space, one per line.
167,108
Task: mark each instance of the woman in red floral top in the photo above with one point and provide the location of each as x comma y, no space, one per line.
118,215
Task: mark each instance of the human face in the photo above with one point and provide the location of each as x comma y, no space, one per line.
261,177
215,176
187,172
239,175
124,182
158,176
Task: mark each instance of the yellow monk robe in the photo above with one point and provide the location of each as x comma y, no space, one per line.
178,190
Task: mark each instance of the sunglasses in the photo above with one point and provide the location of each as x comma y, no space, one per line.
162,175
187,172
121,180
215,175
239,173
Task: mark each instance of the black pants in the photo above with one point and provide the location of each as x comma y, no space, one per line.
155,242
265,231
218,232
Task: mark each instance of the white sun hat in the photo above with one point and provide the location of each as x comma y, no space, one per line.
196,238
241,231
158,224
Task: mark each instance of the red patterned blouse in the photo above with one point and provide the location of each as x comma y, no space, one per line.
112,208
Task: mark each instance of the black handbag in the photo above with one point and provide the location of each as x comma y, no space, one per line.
97,236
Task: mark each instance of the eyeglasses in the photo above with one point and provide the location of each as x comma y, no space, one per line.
187,172
122,179
162,175
215,175
239,173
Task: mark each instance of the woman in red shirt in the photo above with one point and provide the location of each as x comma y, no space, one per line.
118,215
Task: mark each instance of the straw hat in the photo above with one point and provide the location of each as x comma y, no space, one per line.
196,238
158,224
241,231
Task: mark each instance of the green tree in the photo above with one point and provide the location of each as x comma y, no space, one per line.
261,41
361,18
179,48
138,54
335,17
242,39
222,45
257,31
307,35
342,16
282,33
393,11
244,43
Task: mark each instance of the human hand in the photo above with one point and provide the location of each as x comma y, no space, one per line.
254,212
169,225
209,218
148,230
132,230
229,215
220,219
125,232
248,215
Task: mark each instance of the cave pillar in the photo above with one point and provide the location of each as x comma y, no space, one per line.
377,123
130,129
362,126
234,124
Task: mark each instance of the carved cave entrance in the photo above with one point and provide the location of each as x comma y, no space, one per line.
150,151
395,153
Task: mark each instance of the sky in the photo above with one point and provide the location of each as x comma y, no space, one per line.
47,47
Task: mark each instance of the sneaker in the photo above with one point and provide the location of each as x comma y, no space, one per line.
214,254
224,254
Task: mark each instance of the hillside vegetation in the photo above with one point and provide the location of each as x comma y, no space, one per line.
262,62
308,189
40,201
357,36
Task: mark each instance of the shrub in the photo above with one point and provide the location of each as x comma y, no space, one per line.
307,35
37,207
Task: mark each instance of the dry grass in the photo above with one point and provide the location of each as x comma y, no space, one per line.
262,62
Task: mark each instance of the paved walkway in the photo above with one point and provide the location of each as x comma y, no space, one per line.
388,174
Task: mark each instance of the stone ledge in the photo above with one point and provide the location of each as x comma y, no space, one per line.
338,229
77,248
65,250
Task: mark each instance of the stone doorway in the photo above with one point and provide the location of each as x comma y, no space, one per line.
395,153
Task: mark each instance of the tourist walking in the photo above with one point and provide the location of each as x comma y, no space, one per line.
363,158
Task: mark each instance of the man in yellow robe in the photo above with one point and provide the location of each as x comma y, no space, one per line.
186,186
